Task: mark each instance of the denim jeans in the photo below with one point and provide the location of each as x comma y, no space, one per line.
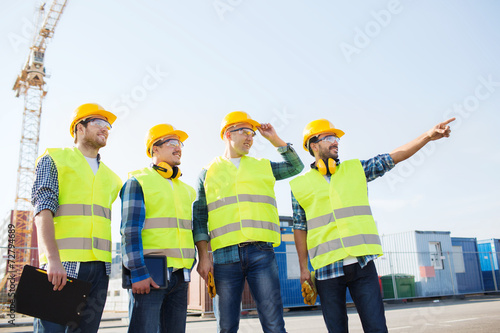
162,310
258,265
95,273
364,287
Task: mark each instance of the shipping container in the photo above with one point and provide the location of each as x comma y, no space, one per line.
467,265
425,255
489,257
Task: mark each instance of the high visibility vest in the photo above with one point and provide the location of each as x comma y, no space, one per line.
82,222
339,218
168,225
241,202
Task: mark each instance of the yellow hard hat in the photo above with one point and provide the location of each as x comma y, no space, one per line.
236,117
319,126
159,131
87,110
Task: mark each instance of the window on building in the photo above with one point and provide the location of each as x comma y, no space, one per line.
458,259
436,255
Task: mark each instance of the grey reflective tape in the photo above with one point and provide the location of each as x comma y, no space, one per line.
102,244
323,248
246,224
361,239
172,253
257,198
320,221
74,244
350,241
185,224
189,253
222,202
84,244
352,211
74,209
102,211
225,229
166,222
260,224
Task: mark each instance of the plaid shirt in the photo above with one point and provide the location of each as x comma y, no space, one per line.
374,168
291,166
133,218
45,195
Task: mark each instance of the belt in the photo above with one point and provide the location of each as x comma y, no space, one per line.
250,243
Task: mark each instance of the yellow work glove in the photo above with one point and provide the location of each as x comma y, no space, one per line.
211,285
309,292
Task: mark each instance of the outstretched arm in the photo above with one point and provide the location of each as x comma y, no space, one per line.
441,130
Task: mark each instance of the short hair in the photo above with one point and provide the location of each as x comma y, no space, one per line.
313,139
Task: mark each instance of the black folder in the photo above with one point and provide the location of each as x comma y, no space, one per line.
157,268
35,297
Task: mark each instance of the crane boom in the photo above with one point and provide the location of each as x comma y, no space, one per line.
31,84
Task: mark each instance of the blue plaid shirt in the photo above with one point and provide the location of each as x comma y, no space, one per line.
45,195
374,168
133,218
291,166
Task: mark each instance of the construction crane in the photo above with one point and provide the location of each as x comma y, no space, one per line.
30,84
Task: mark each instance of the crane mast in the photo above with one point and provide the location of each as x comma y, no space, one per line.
31,84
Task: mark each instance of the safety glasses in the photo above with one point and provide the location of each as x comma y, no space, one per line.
98,122
245,130
171,143
330,138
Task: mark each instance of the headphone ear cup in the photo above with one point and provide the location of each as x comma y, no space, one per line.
165,170
332,166
321,167
176,173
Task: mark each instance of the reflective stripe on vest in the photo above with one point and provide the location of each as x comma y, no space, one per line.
172,253
334,230
230,227
350,241
82,222
240,198
340,213
84,210
167,222
241,202
83,244
168,226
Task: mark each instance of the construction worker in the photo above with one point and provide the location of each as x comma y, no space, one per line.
333,223
236,199
156,220
72,196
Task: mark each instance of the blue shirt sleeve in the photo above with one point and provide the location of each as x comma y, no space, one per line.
45,190
133,217
377,166
299,215
200,211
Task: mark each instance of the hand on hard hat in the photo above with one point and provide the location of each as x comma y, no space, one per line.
268,132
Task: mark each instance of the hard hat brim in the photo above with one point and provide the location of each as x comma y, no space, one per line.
181,134
339,133
110,117
252,122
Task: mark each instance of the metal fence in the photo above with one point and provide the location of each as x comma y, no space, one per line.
403,275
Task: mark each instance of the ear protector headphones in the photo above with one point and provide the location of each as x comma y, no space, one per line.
166,171
327,168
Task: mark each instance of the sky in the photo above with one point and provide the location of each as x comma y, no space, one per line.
382,71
